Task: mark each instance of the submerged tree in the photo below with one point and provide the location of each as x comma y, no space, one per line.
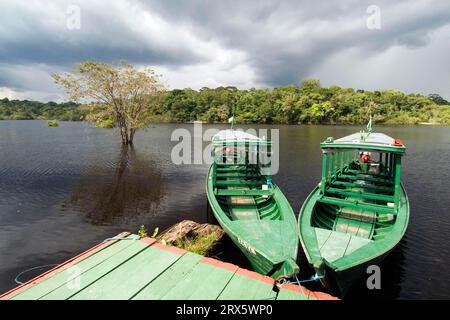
121,93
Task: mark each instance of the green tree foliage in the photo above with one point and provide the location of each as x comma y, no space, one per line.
438,99
29,110
121,92
309,102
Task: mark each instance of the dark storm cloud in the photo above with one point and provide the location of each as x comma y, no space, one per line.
286,40
36,32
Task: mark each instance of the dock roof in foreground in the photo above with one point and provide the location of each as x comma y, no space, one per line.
142,268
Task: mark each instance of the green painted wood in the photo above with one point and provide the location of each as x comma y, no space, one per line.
236,169
243,212
361,194
244,288
359,205
131,277
286,294
322,236
363,228
146,271
243,192
354,227
362,186
397,170
365,178
62,278
99,270
241,182
166,281
370,174
208,281
238,175
355,243
324,172
261,243
334,248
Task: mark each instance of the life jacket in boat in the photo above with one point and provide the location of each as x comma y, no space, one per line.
364,158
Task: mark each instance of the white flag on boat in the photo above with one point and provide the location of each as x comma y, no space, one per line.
230,120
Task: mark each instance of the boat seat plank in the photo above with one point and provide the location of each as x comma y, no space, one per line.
362,186
354,227
357,215
238,175
40,289
129,278
243,192
246,211
230,164
231,169
360,194
356,204
225,183
90,276
166,281
364,178
375,175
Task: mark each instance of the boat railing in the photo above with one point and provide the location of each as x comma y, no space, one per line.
356,186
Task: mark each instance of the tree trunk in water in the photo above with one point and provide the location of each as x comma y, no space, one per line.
123,131
132,132
126,133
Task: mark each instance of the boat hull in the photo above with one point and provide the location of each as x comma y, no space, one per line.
262,259
340,282
339,276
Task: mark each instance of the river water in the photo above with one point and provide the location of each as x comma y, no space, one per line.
65,189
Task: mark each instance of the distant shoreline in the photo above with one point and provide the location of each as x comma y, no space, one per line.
434,124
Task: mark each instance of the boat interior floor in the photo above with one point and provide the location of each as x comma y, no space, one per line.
244,207
342,228
334,245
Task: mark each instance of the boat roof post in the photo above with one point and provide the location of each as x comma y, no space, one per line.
397,186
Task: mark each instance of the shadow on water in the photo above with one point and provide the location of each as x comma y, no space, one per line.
392,271
128,190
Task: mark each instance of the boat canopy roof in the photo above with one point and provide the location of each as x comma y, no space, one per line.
366,140
233,137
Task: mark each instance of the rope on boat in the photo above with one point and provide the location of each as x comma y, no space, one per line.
314,277
16,279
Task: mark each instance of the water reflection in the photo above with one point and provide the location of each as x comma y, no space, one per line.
129,189
84,168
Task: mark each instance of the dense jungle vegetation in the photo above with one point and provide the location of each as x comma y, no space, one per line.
308,103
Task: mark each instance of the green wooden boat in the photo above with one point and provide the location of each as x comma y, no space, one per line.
249,207
359,211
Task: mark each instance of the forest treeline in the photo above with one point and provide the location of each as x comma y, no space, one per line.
308,103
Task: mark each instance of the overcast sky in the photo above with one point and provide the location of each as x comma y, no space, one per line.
260,44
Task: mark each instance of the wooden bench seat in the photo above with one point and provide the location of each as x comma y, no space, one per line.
243,192
362,186
360,194
357,204
238,182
